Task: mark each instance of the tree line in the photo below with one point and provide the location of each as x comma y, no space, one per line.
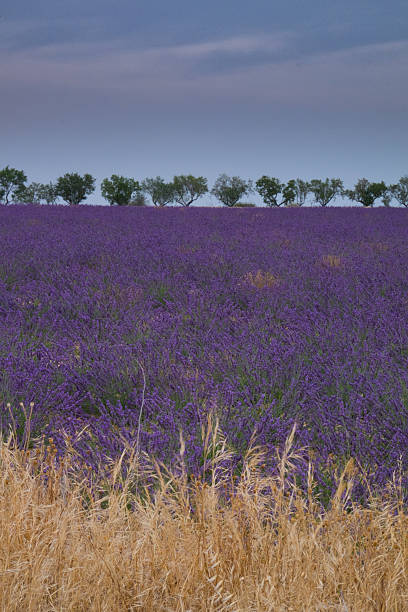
72,188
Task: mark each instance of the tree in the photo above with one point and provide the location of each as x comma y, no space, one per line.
301,189
12,183
36,193
119,189
161,193
31,194
365,192
400,191
289,193
139,199
188,188
387,197
229,190
269,188
325,191
48,193
74,188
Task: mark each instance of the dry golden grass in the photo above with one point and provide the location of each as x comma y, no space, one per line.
375,245
260,279
187,548
333,261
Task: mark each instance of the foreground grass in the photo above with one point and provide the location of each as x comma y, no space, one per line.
191,546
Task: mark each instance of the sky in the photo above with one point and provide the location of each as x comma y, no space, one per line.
285,88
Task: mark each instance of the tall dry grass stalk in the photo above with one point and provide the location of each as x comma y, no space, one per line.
194,545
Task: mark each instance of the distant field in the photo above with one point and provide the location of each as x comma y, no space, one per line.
264,318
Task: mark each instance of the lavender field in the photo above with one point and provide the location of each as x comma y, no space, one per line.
263,318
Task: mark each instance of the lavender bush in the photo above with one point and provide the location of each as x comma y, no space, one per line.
264,318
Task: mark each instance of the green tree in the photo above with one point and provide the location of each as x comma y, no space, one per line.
74,188
161,193
48,193
31,194
325,191
188,188
387,197
400,191
12,184
139,199
289,193
365,192
301,189
269,189
36,193
119,189
229,189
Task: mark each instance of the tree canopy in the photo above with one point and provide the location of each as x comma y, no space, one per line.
269,189
229,189
119,190
400,191
325,191
161,193
365,192
12,184
188,188
74,188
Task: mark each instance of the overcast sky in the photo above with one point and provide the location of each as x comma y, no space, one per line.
286,88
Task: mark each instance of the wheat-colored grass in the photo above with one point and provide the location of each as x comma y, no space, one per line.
190,546
260,279
333,261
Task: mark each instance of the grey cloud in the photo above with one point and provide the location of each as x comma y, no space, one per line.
363,77
318,26
236,53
